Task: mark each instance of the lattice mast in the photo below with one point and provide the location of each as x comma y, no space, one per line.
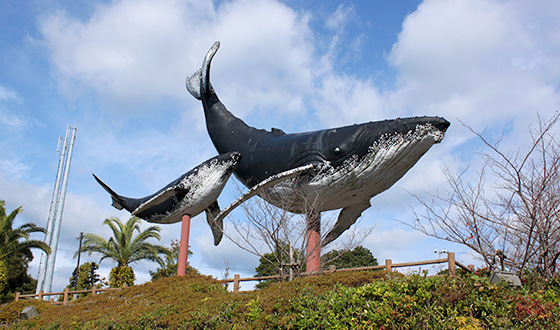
46,266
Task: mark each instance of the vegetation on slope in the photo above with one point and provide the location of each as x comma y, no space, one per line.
358,300
15,251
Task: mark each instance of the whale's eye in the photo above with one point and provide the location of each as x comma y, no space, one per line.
337,150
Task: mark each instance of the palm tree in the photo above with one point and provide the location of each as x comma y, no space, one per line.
124,248
16,241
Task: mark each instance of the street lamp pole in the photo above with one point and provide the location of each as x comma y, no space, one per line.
81,237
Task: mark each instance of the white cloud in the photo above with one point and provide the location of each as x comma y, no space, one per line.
13,166
487,63
34,212
8,94
342,48
127,51
343,100
389,243
265,61
133,52
13,126
481,61
9,119
339,19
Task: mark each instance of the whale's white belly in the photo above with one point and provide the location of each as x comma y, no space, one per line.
357,180
204,187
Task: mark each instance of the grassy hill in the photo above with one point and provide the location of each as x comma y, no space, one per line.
346,300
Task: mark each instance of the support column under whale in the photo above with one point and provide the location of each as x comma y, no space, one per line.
184,245
313,247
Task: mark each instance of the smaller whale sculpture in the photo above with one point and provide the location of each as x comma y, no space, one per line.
191,193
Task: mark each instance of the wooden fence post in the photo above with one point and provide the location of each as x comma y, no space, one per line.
388,267
65,300
17,296
332,268
451,263
40,295
94,289
236,283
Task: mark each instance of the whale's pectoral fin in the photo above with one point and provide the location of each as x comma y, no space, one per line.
170,197
217,226
346,218
116,198
267,183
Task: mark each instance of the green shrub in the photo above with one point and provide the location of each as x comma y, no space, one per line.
120,276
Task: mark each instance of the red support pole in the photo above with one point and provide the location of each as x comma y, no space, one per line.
313,248
184,245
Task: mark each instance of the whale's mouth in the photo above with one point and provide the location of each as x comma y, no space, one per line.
402,148
436,132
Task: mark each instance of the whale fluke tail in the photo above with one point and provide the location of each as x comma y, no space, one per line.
193,84
199,83
117,199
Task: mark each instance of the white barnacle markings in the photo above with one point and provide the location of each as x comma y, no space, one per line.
388,159
202,186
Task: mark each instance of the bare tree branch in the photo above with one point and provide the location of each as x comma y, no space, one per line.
517,214
267,230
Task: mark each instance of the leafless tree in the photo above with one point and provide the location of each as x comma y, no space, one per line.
279,236
516,214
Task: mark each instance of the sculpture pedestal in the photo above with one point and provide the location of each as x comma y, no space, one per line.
313,248
184,245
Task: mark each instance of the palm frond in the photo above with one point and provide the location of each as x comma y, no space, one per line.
16,240
124,247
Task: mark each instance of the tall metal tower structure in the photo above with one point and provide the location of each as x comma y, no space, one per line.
46,266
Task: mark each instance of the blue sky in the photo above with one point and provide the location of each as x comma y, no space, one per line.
117,70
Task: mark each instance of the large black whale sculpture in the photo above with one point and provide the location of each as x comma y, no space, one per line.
341,168
192,193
